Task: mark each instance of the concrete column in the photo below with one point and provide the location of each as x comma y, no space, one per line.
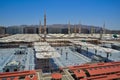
75,29
40,28
45,26
69,27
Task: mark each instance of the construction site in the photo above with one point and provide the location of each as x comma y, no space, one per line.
72,56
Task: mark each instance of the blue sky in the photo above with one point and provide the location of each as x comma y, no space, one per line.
88,12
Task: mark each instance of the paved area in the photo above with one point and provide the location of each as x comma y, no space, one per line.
7,55
69,57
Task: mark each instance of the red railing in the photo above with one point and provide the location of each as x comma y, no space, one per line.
18,74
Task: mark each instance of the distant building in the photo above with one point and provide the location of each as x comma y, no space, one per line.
2,30
30,30
65,31
14,30
115,31
54,30
85,30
